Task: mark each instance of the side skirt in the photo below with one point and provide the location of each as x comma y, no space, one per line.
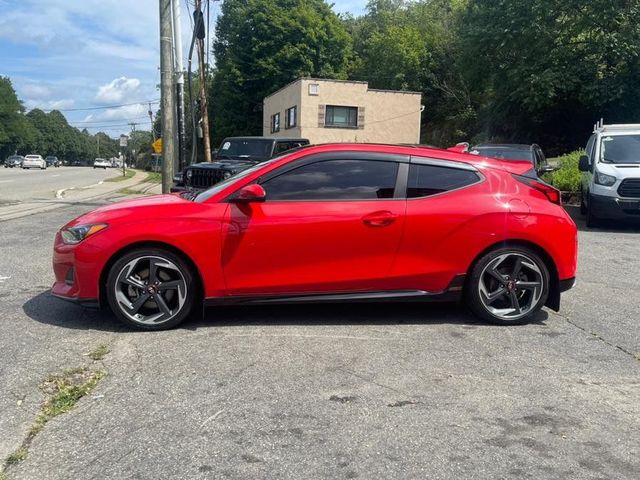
452,294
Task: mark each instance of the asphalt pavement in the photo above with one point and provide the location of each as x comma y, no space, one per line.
335,391
17,185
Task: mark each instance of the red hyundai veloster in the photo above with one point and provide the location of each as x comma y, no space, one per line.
342,222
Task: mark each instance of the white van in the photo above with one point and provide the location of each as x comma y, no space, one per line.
611,174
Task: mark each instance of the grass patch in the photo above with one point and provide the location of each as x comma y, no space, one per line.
62,392
128,174
154,177
132,191
16,457
65,390
99,352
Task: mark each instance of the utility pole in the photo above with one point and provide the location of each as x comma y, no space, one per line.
179,66
167,96
204,112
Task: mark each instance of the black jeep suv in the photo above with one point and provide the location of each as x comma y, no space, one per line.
234,155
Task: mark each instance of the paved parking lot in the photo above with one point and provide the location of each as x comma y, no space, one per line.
344,391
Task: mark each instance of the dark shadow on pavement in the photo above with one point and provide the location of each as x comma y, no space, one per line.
606,226
45,308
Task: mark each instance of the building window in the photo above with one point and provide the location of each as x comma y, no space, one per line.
344,117
314,89
275,122
292,113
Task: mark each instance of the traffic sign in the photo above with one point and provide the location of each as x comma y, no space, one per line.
123,140
157,146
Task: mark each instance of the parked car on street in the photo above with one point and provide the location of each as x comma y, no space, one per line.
13,161
34,161
329,223
234,155
53,161
610,169
530,153
101,163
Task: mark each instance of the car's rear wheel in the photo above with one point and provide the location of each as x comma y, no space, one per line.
508,286
151,289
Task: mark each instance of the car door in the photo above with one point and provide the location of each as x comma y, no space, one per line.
443,200
330,223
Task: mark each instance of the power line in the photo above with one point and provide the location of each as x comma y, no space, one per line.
95,108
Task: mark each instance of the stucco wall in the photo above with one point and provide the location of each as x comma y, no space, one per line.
280,102
384,116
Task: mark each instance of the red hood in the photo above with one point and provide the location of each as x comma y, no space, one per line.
122,210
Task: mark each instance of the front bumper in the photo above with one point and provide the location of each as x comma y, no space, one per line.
615,208
75,275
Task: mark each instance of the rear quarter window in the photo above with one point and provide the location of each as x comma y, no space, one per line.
428,180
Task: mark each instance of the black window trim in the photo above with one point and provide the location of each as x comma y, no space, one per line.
436,162
400,188
287,126
333,125
273,122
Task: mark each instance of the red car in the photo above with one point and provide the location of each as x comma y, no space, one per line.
344,222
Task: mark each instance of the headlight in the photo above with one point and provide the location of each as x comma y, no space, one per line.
604,179
227,174
189,173
73,235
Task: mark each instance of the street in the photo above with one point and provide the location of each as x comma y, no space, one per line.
335,391
17,185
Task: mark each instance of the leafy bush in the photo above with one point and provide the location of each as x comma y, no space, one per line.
567,177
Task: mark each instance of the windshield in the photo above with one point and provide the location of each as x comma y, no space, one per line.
246,148
505,154
620,149
218,187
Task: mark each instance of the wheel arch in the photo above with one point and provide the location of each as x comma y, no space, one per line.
553,300
148,244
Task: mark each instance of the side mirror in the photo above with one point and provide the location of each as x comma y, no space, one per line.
250,194
583,164
547,169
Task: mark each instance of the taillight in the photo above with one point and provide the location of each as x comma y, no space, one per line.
553,194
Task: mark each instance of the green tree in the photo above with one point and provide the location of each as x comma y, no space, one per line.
261,45
14,128
548,69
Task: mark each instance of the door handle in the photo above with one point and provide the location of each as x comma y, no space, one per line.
383,218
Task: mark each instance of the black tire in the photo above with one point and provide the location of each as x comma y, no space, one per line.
592,220
178,313
473,294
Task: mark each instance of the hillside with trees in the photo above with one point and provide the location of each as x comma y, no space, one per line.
46,133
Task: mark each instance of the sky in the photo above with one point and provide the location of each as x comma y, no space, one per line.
76,55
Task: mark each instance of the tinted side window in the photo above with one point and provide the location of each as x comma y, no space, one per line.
426,180
589,148
335,180
281,147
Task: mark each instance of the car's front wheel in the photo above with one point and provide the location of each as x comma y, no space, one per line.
151,289
508,286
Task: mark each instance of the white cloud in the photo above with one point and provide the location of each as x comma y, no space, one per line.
118,90
125,114
35,91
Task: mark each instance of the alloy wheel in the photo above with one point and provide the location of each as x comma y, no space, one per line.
510,286
150,290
